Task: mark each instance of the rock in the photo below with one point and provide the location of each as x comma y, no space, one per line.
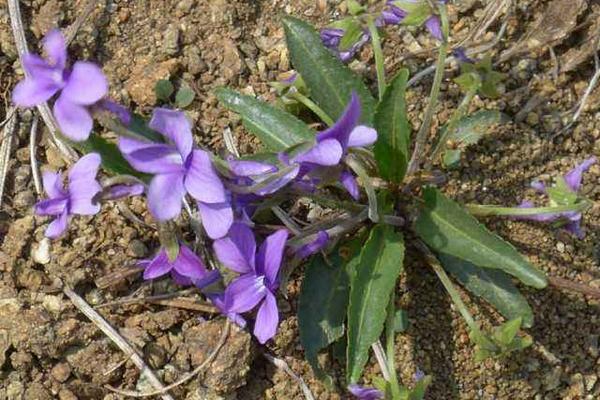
229,369
61,372
54,158
36,391
155,355
46,18
4,345
170,44
552,379
232,62
144,76
15,390
137,248
15,240
66,394
40,253
53,304
24,200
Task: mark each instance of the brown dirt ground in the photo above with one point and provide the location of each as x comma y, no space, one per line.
49,350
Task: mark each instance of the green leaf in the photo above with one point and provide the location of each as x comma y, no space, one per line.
276,129
112,160
418,392
330,82
495,286
470,130
508,331
322,305
354,7
184,97
448,228
375,278
393,130
163,89
400,321
351,35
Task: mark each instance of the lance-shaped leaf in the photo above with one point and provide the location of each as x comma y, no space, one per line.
381,261
495,286
393,130
276,128
448,228
323,304
329,81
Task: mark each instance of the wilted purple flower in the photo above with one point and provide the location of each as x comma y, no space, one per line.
394,15
78,198
80,86
332,37
433,25
185,269
313,247
258,278
121,112
365,393
573,180
461,55
179,169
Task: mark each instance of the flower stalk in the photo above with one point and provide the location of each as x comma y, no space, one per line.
379,60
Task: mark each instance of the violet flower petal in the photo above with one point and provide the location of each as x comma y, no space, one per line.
270,255
176,127
216,218
251,168
86,84
365,393
58,226
349,182
267,319
189,264
434,27
538,186
120,191
277,184
362,136
573,177
74,120
117,109
574,227
158,266
83,185
53,186
151,158
313,247
165,195
326,152
53,206
202,181
179,279
244,293
237,250
219,301
56,48
31,92
343,127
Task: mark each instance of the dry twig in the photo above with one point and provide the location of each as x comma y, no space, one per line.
281,364
186,377
118,340
7,137
35,172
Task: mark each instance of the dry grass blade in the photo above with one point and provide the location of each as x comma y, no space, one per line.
186,377
7,137
19,35
281,364
35,172
118,340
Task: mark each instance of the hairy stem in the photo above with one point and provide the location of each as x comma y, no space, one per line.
423,133
390,343
489,210
379,60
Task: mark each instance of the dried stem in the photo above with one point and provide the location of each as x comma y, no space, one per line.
35,172
561,283
185,378
7,137
281,364
118,340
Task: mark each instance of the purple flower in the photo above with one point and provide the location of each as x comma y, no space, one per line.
461,55
116,192
313,247
218,300
178,169
365,393
258,278
393,15
79,87
433,25
572,180
185,269
121,112
333,144
332,37
76,199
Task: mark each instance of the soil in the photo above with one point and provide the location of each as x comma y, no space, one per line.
48,349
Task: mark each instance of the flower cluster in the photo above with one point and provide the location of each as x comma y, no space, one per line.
226,192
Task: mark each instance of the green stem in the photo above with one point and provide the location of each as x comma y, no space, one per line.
449,286
312,106
359,170
379,60
453,124
390,336
423,133
488,210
